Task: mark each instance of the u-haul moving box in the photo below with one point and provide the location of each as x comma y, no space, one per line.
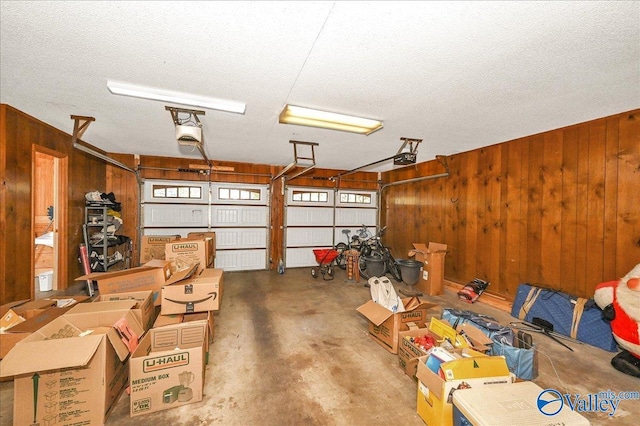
167,369
152,246
192,250
72,370
384,325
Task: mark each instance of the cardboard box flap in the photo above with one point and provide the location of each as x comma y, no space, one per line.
374,312
27,357
182,274
33,324
97,276
431,248
475,368
122,350
112,305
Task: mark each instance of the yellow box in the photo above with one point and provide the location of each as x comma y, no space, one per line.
435,393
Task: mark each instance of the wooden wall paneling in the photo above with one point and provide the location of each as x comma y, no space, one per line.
452,210
277,222
535,210
551,209
511,217
581,206
494,219
569,225
124,186
483,242
628,229
523,225
611,199
470,241
595,205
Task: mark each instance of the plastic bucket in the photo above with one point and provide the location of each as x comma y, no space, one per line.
375,266
409,270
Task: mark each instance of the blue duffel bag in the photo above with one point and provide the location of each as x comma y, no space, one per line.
571,316
523,362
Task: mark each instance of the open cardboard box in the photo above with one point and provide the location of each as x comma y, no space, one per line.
151,276
144,310
432,256
384,325
20,319
73,369
167,369
200,293
435,391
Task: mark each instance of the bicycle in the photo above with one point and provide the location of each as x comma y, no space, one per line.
356,242
377,250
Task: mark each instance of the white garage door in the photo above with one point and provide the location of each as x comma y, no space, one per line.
237,213
315,218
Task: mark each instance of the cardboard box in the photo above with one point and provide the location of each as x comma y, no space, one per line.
408,353
151,276
435,393
152,246
384,325
144,309
191,250
72,370
204,235
432,273
201,293
36,314
164,320
167,369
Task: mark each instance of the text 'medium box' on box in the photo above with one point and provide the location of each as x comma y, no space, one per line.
151,276
167,369
73,369
384,325
201,293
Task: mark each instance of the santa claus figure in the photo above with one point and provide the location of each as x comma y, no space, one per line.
620,303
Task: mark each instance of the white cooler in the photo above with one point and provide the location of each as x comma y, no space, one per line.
511,404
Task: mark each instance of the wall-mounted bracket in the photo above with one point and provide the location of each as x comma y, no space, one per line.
296,162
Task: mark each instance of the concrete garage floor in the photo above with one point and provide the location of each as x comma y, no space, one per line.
292,350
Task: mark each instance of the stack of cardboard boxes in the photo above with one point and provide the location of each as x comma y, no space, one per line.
149,330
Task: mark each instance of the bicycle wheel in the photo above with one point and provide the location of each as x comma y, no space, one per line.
341,258
393,268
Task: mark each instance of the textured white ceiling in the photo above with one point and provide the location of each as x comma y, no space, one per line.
458,75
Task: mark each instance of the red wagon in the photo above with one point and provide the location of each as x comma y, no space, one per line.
325,258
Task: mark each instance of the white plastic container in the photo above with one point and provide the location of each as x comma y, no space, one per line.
512,404
45,280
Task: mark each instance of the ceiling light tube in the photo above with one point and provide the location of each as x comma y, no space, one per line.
170,96
301,116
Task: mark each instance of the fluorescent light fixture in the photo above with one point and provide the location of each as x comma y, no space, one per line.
328,120
154,94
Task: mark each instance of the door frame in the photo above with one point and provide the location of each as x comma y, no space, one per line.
60,187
